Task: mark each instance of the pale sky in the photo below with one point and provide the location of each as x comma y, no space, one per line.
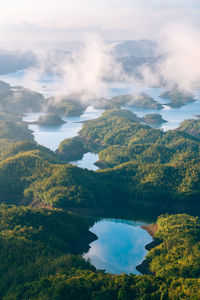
112,19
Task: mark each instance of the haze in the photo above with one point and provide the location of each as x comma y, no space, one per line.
50,20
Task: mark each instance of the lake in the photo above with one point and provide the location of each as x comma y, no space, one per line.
49,85
120,247
87,161
51,136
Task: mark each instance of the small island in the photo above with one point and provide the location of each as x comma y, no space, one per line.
67,105
71,149
50,120
153,119
177,98
136,100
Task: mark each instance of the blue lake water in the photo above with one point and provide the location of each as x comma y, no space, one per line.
49,85
120,246
87,161
51,136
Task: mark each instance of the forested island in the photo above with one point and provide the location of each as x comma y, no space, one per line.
17,100
141,165
140,100
177,98
48,205
153,119
70,105
49,120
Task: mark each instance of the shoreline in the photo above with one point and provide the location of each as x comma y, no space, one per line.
143,268
151,229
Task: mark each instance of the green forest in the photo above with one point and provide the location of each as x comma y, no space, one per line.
39,259
142,165
42,232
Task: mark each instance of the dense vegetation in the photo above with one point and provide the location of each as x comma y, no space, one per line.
14,131
143,167
50,120
69,186
13,148
38,242
21,163
191,126
20,100
141,100
116,127
178,254
66,105
39,259
71,149
153,119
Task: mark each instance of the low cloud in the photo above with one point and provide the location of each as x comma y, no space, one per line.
180,47
179,59
82,73
85,73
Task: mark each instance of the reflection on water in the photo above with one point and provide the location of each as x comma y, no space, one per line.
120,246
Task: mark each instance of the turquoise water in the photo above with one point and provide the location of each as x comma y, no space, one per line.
120,246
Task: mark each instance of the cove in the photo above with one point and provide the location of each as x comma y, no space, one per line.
120,246
88,161
51,136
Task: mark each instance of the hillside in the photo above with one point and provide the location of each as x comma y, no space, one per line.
37,262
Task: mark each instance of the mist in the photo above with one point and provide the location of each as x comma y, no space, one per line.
178,62
86,72
83,73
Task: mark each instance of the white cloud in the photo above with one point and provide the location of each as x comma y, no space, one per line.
180,43
179,64
81,73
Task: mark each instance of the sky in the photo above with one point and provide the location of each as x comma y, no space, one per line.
39,20
174,24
